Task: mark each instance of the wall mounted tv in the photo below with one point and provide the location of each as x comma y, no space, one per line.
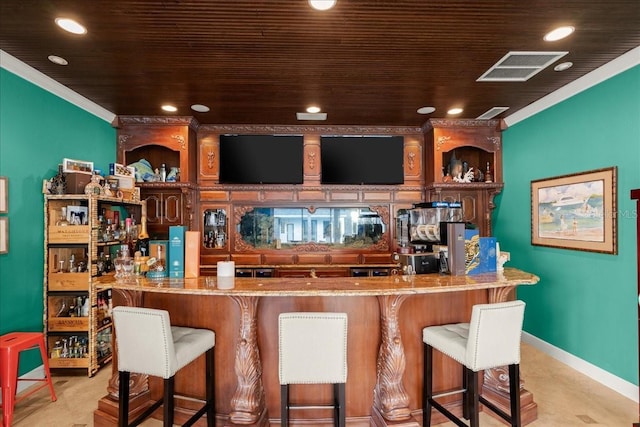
362,160
261,159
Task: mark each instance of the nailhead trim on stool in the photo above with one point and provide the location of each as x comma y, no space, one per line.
490,340
11,345
148,344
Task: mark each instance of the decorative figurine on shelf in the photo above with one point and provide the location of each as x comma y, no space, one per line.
467,177
59,182
94,187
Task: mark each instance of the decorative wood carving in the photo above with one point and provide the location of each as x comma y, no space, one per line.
248,403
210,157
181,141
297,129
389,395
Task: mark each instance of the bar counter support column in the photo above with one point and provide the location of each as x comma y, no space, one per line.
248,403
390,399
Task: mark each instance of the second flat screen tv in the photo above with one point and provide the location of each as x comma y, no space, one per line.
374,160
261,159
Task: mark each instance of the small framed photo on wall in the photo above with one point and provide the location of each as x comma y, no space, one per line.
4,194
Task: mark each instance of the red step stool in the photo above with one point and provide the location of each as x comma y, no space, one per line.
10,347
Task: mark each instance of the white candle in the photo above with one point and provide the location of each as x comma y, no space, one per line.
226,269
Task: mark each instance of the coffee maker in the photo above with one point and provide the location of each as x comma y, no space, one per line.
430,238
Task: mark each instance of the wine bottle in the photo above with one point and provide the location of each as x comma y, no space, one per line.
142,244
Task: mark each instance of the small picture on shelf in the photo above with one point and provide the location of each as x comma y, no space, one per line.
77,215
81,166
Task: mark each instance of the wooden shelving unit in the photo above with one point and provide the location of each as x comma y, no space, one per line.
77,320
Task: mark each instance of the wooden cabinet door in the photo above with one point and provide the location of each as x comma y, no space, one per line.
172,208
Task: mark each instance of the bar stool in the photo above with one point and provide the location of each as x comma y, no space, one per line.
11,345
490,340
148,344
313,350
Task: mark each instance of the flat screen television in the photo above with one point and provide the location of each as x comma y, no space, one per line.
261,159
362,160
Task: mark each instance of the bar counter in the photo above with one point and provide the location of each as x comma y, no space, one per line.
386,316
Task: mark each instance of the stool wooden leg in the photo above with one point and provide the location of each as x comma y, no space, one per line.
284,405
514,394
427,385
340,402
123,399
474,395
211,389
169,405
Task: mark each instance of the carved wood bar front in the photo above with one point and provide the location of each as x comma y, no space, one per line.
384,341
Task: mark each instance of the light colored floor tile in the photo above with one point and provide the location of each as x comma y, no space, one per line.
565,398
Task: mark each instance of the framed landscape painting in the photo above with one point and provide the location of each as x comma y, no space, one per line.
577,211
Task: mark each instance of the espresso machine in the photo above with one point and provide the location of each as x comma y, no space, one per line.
431,238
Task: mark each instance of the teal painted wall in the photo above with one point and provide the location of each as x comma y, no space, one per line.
585,303
37,130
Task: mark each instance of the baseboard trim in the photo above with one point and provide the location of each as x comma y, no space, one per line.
605,378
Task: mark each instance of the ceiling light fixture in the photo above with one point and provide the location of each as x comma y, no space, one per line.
200,108
313,109
58,60
559,33
322,4
71,26
425,110
454,111
169,108
563,66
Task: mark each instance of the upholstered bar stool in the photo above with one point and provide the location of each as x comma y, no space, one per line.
313,350
148,344
490,340
11,345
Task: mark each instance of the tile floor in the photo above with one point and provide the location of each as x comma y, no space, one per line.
564,397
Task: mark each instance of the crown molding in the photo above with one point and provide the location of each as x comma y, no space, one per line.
597,76
45,82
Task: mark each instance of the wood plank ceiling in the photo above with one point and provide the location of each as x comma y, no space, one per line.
363,62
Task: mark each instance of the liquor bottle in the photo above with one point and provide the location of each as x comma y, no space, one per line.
142,244
129,239
487,175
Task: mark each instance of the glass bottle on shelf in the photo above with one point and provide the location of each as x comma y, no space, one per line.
142,244
488,176
62,219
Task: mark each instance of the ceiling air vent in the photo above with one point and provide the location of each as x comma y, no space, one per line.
311,116
491,113
520,66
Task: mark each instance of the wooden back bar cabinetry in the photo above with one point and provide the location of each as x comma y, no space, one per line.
203,204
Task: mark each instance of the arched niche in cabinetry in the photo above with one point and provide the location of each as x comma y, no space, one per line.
475,143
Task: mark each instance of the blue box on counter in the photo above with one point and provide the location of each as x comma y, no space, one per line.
176,251
480,253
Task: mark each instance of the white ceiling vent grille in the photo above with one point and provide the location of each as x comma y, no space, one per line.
491,113
520,66
311,116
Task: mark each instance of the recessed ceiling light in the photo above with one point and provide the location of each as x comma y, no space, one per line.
563,66
313,109
322,4
426,110
71,26
58,60
559,33
169,108
200,108
454,111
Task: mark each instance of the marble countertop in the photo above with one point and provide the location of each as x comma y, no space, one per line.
329,286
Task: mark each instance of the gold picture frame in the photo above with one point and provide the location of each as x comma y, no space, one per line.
4,195
576,211
4,234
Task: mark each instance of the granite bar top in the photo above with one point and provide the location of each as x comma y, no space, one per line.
328,286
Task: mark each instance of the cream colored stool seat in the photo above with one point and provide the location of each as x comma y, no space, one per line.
313,350
148,344
490,340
